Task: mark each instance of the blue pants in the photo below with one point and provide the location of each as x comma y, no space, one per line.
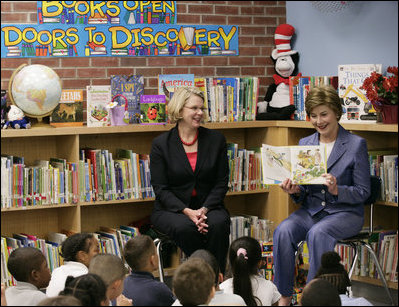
321,233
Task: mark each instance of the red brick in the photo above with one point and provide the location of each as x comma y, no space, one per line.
25,6
213,20
174,70
106,81
249,51
161,61
240,61
75,62
133,62
227,10
246,40
92,72
202,71
253,10
50,62
215,61
75,83
14,18
252,30
227,71
265,21
181,8
188,61
275,11
5,7
66,73
263,61
6,74
188,19
253,71
105,62
147,72
120,71
200,9
263,40
238,20
152,82
12,63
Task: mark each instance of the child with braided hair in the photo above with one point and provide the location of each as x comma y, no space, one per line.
77,251
245,258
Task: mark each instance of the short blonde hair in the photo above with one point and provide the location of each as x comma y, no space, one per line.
324,95
179,100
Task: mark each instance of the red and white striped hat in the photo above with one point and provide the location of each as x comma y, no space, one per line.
282,39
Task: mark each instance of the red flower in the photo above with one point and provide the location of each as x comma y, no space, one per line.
382,89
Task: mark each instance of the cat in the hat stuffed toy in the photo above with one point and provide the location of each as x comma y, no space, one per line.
276,104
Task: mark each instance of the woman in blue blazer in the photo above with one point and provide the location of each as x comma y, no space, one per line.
328,212
189,174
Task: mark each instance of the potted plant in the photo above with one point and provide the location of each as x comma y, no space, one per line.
382,91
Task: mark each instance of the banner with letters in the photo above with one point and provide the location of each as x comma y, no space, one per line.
64,40
106,12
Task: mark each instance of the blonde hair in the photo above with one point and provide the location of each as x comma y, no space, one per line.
179,100
109,267
324,95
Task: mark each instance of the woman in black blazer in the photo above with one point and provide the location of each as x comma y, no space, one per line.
189,174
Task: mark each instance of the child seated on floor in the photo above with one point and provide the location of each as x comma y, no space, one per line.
245,259
29,267
77,251
141,285
194,282
60,300
333,271
89,289
319,292
113,272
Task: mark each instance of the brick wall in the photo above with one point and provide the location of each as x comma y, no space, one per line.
257,21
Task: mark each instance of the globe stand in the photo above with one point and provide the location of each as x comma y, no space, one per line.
40,124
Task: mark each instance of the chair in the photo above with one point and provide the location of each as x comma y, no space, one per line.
160,243
361,239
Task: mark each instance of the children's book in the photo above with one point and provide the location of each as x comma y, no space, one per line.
153,109
167,84
98,96
301,164
128,88
69,111
355,105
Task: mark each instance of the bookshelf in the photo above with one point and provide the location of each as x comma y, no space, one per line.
65,142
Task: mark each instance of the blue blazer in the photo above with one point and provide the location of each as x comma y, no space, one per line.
173,179
349,163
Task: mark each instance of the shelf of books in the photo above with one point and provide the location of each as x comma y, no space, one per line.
73,179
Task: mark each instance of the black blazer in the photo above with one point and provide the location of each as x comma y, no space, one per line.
173,179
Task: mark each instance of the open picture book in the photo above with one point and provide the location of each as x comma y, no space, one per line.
301,164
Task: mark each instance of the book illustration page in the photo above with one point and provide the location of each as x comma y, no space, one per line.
308,164
276,165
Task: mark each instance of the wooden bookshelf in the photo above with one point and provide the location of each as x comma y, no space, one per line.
65,142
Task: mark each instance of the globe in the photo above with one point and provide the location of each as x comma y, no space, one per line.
35,89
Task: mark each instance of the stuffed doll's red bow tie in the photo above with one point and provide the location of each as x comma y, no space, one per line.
278,79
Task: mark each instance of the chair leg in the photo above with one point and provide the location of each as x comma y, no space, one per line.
352,268
299,247
380,272
158,244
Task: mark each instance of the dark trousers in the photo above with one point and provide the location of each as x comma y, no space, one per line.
186,235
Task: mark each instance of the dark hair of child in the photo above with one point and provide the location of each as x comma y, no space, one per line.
244,256
137,251
193,281
333,271
60,300
210,259
320,292
75,243
89,289
23,261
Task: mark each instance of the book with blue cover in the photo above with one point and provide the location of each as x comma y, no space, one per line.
128,89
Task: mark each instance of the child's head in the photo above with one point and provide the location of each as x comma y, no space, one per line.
245,256
209,258
60,300
28,264
140,254
194,282
80,247
112,271
333,271
89,289
319,292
